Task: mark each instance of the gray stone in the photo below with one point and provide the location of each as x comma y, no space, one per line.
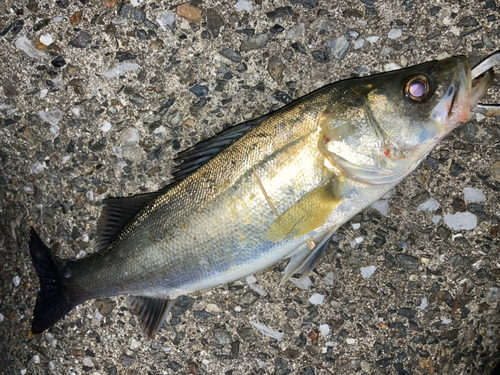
133,13
275,68
309,4
214,21
222,337
81,40
254,42
468,21
199,90
337,48
231,55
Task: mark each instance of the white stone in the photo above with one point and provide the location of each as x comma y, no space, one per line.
118,151
367,272
52,366
25,45
391,66
301,283
423,304
461,221
65,159
75,111
324,329
436,219
316,299
122,164
445,320
16,280
237,309
356,226
373,39
295,32
1,318
395,33
381,206
243,5
213,308
350,341
261,363
266,331
474,195
480,117
134,344
359,239
130,135
87,362
136,3
37,167
46,39
330,343
23,371
251,279
106,127
98,315
121,69
90,195
57,19
429,205
43,93
52,117
36,359
258,290
85,237
328,279
358,43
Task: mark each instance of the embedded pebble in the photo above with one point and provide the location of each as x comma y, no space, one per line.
189,12
295,32
337,48
213,308
254,42
461,221
301,283
130,135
266,331
36,358
367,272
134,344
356,226
329,278
1,318
37,167
16,280
391,66
395,33
243,5
436,219
167,21
445,320
357,44
46,39
121,69
258,290
251,279
373,39
429,205
25,45
381,206
51,117
106,127
350,341
118,152
87,362
324,329
316,299
474,195
237,309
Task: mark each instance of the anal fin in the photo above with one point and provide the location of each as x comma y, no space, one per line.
307,214
303,261
152,312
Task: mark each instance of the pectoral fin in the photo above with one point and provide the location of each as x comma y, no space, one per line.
304,260
308,214
152,312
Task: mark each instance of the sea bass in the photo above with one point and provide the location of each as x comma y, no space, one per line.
274,188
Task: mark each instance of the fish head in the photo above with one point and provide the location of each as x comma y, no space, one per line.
387,123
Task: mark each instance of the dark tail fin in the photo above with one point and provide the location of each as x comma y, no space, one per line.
53,301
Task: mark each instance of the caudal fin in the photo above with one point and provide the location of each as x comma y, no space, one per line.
53,301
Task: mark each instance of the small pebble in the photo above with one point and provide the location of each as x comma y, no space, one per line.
46,39
1,318
237,309
429,205
244,5
87,362
36,359
266,331
373,39
324,329
350,341
423,304
395,33
413,277
301,283
25,45
474,195
436,219
357,44
461,221
37,167
106,127
121,69
381,206
328,279
130,135
16,280
295,32
316,299
212,308
356,226
367,272
134,344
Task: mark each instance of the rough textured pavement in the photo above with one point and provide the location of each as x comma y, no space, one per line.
97,98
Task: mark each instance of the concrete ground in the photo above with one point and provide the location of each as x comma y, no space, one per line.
97,99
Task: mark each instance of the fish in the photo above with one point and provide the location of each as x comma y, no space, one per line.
265,190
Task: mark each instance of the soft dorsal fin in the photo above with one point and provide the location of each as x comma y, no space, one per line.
117,212
152,312
193,158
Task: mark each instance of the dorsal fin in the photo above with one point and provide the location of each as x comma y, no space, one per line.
117,212
193,158
152,312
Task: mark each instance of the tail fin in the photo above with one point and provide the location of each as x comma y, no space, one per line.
53,301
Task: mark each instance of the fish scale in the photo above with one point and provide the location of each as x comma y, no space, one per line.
272,189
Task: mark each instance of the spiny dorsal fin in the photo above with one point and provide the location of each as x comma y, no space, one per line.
193,158
152,312
117,212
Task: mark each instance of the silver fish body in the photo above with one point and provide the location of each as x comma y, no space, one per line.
276,190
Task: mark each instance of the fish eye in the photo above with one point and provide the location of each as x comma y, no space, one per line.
417,88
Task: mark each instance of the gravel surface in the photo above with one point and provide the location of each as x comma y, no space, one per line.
97,99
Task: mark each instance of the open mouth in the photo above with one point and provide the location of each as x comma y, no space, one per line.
482,77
